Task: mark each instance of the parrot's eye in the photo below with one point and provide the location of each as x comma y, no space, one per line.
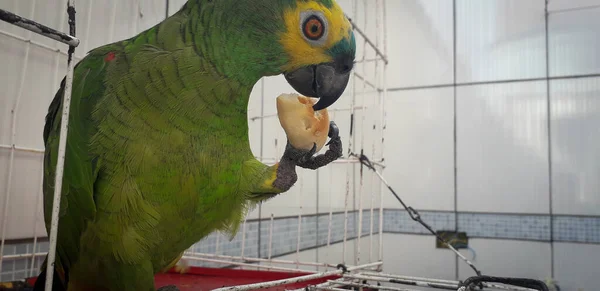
313,26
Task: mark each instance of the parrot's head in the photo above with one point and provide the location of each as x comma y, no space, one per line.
310,42
320,47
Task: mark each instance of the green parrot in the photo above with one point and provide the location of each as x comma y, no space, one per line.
158,155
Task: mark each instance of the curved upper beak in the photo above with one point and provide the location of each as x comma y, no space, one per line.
325,81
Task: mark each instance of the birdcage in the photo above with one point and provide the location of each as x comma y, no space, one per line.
323,234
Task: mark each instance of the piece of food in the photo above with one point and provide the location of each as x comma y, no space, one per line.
302,124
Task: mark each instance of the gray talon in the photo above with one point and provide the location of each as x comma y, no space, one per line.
334,131
306,159
333,153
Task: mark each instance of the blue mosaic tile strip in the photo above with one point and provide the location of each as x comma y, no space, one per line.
505,226
315,232
577,229
397,220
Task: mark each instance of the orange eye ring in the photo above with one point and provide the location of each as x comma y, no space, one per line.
313,28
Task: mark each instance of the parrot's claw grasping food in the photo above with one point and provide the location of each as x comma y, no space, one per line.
298,156
333,153
168,288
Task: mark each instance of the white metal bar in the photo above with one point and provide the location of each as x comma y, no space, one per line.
362,145
368,60
249,259
59,170
293,280
377,51
328,288
321,286
35,223
348,162
330,213
55,80
383,126
404,282
301,182
394,276
23,256
226,262
243,237
13,138
35,43
364,79
371,222
217,243
347,196
21,149
271,238
369,286
419,281
38,28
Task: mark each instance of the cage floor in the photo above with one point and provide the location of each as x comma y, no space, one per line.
200,279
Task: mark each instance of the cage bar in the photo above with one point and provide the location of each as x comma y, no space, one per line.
295,279
19,21
370,87
38,28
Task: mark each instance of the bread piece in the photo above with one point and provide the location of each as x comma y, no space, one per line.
302,125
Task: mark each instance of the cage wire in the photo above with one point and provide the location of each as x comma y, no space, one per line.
368,92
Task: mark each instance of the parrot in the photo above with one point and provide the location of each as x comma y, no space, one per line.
157,152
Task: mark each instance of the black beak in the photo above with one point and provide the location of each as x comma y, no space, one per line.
324,81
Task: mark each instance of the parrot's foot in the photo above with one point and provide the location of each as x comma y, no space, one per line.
292,157
333,153
168,288
298,156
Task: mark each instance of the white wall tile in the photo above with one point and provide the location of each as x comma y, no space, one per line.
12,57
576,266
25,218
34,101
419,143
420,41
300,199
150,12
502,150
575,115
499,40
303,256
334,254
175,5
416,255
564,5
507,258
332,187
573,42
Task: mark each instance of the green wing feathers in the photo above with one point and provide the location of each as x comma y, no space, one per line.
80,169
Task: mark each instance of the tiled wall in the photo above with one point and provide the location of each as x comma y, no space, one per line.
314,233
478,133
505,155
533,228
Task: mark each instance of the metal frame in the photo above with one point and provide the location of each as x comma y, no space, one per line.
375,280
73,42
